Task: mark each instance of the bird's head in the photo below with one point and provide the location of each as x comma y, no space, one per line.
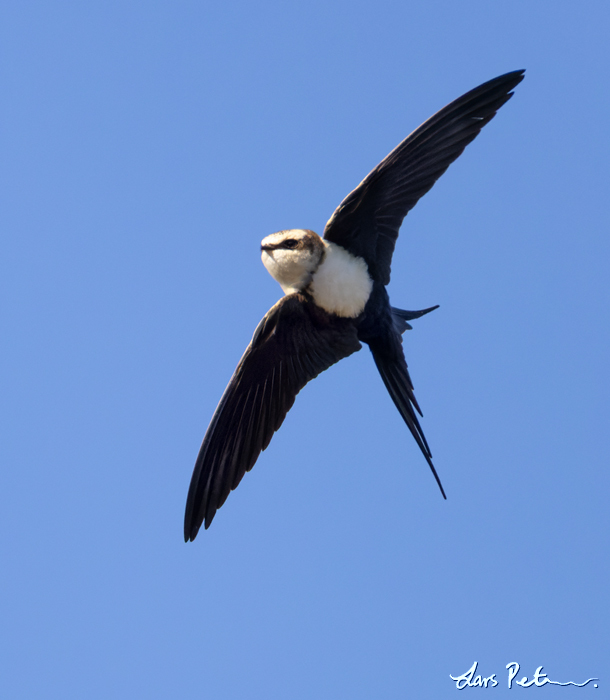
291,257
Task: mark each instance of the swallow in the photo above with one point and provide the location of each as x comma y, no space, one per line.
334,300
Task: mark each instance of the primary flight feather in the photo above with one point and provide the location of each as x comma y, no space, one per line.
335,299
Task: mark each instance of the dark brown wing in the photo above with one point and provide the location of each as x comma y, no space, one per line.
293,343
367,221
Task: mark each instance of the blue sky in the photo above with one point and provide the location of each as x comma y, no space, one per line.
146,149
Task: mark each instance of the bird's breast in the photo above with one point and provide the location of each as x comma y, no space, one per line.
341,285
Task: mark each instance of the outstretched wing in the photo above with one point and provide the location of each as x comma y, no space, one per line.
293,343
367,221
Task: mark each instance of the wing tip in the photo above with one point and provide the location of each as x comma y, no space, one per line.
509,81
190,532
513,77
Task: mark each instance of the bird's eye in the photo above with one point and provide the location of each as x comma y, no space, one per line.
290,243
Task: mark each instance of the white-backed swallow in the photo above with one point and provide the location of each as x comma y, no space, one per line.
335,298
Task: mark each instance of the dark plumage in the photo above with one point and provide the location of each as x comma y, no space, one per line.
292,344
368,219
311,328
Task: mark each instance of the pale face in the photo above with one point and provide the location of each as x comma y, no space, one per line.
291,257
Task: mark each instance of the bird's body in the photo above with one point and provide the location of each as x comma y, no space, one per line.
335,299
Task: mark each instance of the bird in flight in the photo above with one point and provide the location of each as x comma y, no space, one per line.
335,299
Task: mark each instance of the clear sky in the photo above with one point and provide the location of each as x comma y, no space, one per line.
146,149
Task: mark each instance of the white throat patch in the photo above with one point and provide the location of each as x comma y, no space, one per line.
341,285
